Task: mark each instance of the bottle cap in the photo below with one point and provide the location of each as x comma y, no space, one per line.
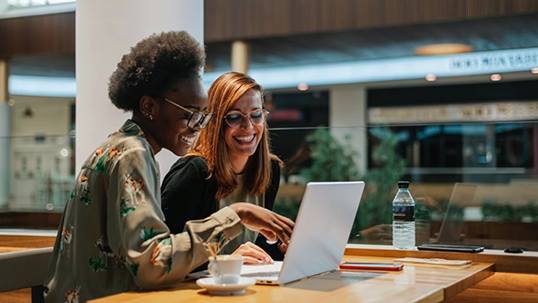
403,184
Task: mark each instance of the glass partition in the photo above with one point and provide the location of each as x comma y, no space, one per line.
474,183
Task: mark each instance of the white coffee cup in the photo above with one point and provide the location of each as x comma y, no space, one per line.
226,269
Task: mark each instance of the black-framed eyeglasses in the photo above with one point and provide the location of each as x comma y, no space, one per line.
256,117
196,119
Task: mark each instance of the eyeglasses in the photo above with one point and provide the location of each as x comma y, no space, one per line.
196,119
235,119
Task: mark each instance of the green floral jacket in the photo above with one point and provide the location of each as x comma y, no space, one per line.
112,237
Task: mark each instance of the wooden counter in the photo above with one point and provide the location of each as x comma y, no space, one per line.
10,243
416,283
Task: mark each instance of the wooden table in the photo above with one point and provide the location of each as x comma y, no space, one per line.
416,283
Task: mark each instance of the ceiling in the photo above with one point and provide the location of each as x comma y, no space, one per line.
513,32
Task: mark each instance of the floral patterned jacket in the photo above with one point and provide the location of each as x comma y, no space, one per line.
112,237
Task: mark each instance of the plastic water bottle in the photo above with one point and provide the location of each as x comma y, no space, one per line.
403,223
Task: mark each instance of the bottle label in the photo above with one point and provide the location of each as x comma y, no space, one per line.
403,213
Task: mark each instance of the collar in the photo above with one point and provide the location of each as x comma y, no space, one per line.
132,129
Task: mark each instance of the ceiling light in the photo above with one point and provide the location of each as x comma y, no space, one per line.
431,77
496,77
64,152
534,70
11,102
442,49
302,86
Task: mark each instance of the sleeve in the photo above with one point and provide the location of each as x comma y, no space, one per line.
138,234
270,195
182,191
274,185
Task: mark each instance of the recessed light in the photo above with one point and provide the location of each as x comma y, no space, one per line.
496,77
431,77
442,49
302,86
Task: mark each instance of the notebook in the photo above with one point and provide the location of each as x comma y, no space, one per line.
320,234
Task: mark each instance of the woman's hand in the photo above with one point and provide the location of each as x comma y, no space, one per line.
271,225
253,254
283,247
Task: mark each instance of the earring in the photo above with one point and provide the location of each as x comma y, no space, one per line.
148,115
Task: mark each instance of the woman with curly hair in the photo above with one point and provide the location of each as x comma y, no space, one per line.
229,162
112,237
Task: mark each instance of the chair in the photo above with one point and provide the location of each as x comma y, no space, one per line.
23,269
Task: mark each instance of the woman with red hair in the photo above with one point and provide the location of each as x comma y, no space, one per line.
229,162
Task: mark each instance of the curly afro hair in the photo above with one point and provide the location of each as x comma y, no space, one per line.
153,66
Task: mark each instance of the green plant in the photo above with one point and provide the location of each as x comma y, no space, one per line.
493,211
380,181
335,161
331,160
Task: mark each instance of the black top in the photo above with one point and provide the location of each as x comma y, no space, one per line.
187,194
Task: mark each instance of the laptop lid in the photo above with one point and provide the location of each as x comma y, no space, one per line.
452,226
321,229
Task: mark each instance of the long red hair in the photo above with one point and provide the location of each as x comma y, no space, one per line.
211,145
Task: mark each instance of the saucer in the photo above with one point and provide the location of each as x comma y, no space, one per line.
226,289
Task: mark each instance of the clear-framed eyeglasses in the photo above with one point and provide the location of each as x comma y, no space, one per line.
235,119
196,119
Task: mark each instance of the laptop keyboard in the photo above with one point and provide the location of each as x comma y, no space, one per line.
268,270
261,274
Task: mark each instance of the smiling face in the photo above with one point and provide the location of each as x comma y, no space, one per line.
170,128
242,141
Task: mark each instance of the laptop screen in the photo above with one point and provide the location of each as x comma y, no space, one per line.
452,226
322,228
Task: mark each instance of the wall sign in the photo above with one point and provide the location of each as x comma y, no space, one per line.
482,112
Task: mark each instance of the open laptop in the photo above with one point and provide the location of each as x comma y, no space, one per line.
320,234
449,238
319,237
452,226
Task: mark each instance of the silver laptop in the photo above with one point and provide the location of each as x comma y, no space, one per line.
320,234
452,226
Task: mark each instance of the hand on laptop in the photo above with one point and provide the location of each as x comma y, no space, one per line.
271,225
253,254
283,247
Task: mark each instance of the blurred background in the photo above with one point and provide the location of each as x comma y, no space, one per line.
443,93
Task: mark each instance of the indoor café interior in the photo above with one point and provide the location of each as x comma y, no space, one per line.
384,119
